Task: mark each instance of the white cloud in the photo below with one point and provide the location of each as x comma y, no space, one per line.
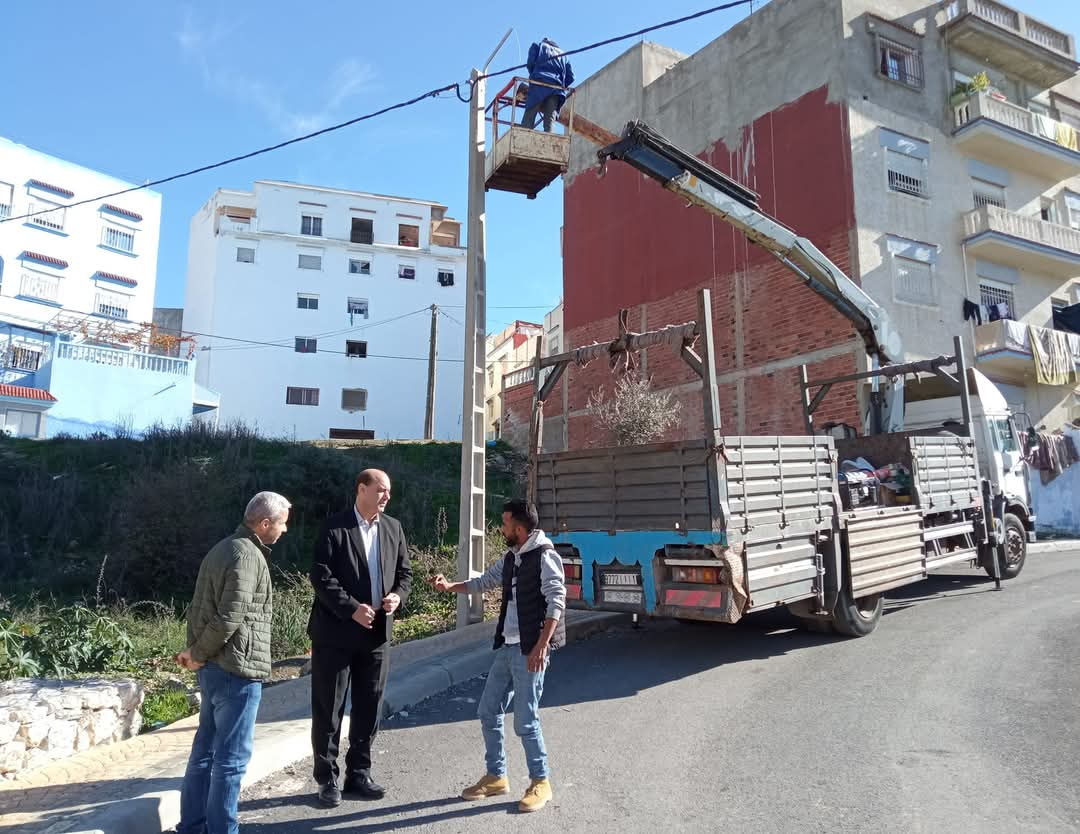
204,44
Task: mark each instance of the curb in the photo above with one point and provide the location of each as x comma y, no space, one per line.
1054,546
419,670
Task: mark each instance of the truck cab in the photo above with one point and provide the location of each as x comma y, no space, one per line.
929,407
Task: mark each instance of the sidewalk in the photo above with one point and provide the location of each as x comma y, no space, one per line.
1054,546
133,787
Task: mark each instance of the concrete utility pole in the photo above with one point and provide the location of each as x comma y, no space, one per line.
473,519
429,414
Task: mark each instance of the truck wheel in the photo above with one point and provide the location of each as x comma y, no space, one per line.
857,617
1012,556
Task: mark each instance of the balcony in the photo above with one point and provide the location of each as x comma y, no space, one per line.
1016,138
1020,45
123,359
1003,350
40,288
237,225
1023,242
446,232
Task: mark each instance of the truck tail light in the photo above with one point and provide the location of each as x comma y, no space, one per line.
700,576
573,572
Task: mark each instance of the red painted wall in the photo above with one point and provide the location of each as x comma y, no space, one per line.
628,243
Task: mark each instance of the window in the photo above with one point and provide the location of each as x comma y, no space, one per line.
362,231
19,423
914,281
913,271
301,396
408,235
111,304
446,278
992,293
309,261
306,345
1072,209
907,174
53,218
987,193
311,224
245,255
408,272
352,434
553,345
356,350
357,267
117,237
1002,433
354,399
305,301
1048,211
900,63
7,199
357,307
905,162
24,357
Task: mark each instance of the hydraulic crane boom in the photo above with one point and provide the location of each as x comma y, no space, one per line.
701,184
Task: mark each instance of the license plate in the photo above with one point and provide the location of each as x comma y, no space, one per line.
622,596
620,579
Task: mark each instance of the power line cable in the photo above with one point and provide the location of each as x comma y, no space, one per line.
435,93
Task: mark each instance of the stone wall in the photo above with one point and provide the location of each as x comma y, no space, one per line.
45,720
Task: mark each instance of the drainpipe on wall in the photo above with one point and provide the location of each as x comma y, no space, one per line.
967,295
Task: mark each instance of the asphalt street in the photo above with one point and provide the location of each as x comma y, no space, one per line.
958,714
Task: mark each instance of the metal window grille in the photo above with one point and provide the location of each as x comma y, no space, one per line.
900,63
914,281
907,174
991,294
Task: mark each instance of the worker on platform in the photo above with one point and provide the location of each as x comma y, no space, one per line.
550,75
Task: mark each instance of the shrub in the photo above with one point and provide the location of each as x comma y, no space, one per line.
164,707
293,596
66,642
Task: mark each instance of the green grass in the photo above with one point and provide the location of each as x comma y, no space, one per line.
164,707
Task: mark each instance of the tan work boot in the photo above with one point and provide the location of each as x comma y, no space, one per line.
536,797
488,786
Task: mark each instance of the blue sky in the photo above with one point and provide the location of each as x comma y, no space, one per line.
144,90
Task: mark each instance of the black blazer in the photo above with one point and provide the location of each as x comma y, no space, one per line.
339,574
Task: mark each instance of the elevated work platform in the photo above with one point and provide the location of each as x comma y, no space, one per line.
522,160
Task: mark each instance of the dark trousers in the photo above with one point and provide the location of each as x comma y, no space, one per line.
333,670
548,107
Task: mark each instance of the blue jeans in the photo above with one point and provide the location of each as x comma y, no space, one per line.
510,680
220,753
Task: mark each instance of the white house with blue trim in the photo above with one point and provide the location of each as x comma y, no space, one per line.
76,287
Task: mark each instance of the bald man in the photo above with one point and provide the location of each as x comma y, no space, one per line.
361,575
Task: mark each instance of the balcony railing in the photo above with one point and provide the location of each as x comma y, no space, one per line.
113,306
1013,21
1033,229
41,287
232,224
984,106
1014,336
124,359
5,210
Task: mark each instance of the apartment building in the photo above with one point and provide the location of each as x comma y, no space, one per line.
509,356
928,149
312,309
76,291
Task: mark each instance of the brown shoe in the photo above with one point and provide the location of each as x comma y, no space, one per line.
488,786
536,797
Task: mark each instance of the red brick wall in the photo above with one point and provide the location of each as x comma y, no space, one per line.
629,243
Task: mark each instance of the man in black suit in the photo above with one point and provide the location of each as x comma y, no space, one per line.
361,575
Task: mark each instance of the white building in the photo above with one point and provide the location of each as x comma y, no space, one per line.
98,259
76,288
312,310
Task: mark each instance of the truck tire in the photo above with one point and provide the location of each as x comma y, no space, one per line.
1012,556
857,617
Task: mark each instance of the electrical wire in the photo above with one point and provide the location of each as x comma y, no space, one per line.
434,93
629,35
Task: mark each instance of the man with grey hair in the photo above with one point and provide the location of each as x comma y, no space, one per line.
228,636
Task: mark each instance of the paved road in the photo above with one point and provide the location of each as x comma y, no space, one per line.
958,714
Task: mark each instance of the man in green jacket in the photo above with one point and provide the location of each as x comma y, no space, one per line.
228,636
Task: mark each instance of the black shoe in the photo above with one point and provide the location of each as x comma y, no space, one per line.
364,786
329,795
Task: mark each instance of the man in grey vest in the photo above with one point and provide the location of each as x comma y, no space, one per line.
530,627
